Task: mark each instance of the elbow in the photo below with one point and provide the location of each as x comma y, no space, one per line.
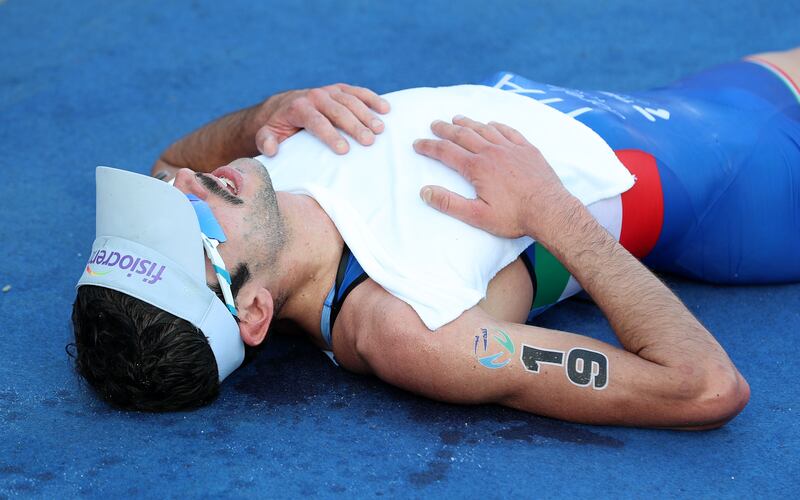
721,396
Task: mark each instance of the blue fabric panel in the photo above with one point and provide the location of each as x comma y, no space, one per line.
727,144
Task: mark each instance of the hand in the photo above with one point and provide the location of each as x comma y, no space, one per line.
518,193
320,110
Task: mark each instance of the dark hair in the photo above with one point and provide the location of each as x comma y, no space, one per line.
137,356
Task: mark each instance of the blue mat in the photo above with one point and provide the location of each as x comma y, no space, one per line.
87,83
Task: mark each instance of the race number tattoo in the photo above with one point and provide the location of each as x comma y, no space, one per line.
583,367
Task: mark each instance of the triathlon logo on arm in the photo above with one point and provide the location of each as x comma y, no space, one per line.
501,349
584,367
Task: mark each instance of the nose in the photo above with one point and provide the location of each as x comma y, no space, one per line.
186,181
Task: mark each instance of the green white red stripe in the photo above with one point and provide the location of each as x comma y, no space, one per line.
782,75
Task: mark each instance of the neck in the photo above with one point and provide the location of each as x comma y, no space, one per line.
308,262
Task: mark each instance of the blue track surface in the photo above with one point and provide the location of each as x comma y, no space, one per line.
114,83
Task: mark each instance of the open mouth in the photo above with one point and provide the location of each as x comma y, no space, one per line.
228,178
227,184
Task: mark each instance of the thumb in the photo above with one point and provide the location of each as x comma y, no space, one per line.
449,203
266,142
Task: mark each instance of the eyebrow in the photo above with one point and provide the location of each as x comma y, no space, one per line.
217,190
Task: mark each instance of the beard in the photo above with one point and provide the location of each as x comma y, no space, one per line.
267,222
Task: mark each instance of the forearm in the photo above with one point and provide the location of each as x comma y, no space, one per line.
646,316
672,371
214,144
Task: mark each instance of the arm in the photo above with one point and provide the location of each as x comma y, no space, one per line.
672,372
478,359
263,126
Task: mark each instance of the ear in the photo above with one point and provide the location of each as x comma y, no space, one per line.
255,307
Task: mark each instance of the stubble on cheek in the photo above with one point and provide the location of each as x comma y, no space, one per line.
267,229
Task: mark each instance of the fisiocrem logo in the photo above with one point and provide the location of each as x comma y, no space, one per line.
131,263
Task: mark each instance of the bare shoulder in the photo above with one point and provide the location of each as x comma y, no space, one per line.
370,315
368,310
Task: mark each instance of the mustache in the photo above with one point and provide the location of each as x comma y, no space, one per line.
215,189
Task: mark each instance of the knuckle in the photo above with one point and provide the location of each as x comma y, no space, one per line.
335,113
475,213
317,121
430,147
471,163
262,134
316,95
350,101
495,150
337,95
299,103
342,97
363,93
443,202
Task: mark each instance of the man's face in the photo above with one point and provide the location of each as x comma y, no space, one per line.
244,203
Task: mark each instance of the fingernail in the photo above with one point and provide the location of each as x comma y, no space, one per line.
376,124
436,122
416,143
341,146
427,194
365,135
458,118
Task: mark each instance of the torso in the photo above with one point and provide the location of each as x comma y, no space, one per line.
508,297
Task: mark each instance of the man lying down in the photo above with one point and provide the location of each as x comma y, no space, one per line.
417,253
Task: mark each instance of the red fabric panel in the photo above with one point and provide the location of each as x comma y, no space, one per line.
642,205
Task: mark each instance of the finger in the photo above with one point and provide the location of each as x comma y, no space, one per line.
320,126
488,132
341,117
451,204
452,155
367,96
266,142
463,136
510,133
360,110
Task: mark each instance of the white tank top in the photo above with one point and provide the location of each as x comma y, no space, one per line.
438,265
